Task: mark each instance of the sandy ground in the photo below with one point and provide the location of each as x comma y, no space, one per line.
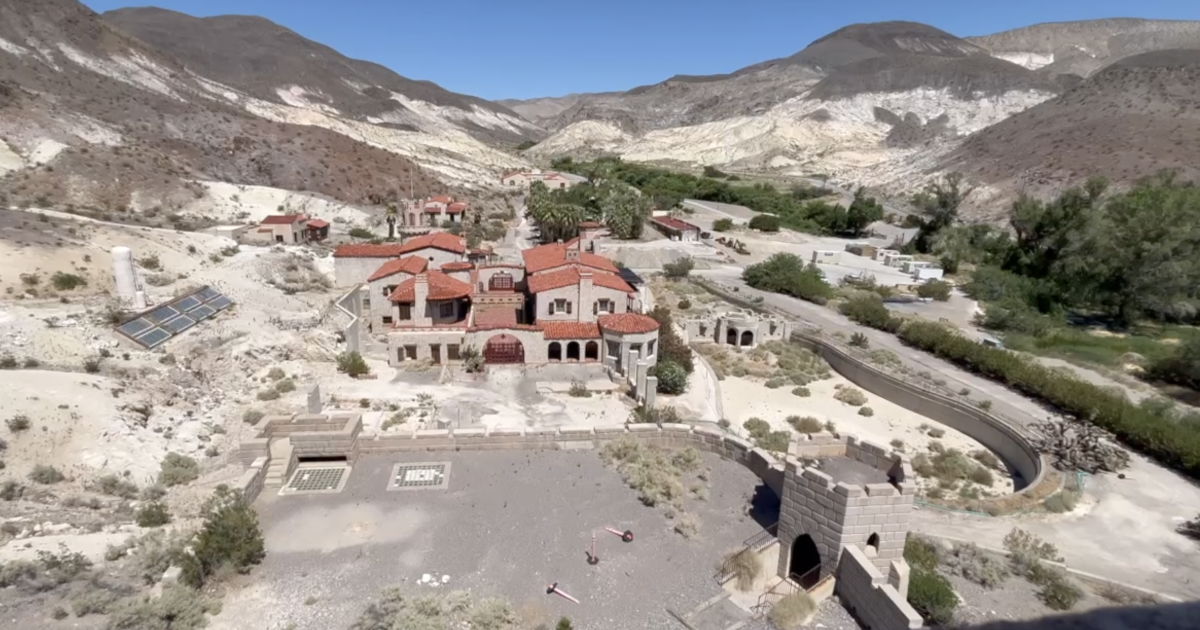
745,398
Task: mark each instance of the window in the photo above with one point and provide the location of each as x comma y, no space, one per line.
387,319
452,352
446,309
405,311
388,290
502,281
560,305
410,352
602,306
650,348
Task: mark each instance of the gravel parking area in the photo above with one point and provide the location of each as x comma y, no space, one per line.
508,524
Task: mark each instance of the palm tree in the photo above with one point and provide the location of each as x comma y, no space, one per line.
390,217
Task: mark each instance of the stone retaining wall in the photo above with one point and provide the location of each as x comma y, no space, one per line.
873,598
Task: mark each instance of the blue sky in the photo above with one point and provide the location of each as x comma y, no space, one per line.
526,48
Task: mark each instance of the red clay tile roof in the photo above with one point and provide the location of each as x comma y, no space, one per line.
282,219
436,240
569,330
570,276
495,317
441,287
441,199
675,224
369,250
411,265
318,223
456,207
458,266
553,255
628,323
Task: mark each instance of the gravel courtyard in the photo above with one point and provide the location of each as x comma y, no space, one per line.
508,524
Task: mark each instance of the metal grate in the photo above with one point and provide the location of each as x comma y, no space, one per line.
420,476
317,479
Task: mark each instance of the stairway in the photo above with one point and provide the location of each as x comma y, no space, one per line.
280,465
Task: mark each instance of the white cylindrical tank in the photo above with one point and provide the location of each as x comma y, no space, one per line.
126,278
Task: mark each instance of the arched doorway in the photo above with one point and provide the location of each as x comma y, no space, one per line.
872,545
804,567
591,351
573,351
554,353
747,338
731,337
503,349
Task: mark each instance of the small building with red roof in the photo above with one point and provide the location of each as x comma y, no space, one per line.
283,229
435,212
676,229
554,180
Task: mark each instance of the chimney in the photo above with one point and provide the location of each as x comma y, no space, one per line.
421,312
573,251
586,301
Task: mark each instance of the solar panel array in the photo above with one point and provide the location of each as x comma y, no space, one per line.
156,326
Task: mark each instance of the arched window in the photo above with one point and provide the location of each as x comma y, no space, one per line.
591,351
747,338
573,351
872,545
555,351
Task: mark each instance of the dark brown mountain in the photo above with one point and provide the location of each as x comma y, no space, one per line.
1132,119
262,58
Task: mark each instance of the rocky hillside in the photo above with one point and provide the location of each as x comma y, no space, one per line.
267,61
1082,48
1134,118
92,117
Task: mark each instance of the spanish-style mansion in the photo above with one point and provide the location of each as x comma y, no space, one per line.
430,297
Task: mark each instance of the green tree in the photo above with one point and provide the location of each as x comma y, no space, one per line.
765,223
722,225
936,289
862,212
672,378
1181,367
230,537
625,211
938,207
787,273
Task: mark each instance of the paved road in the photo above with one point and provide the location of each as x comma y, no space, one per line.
1123,530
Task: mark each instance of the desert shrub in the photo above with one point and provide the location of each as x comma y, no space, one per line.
935,432
59,613
579,390
361,233
177,608
684,304
1059,593
1026,553
756,427
18,423
851,396
987,459
981,476
473,361
920,553
67,281
807,424
177,470
744,565
153,514
252,416
687,525
932,597
396,609
11,490
859,340
47,572
678,269
1191,528
230,538
787,274
284,386
1155,432
91,365
97,599
267,394
765,223
564,624
45,474
672,378
793,611
775,441
1181,367
654,415
866,412
670,346
970,562
936,289
802,392
8,362
653,472
868,309
352,364
722,225
116,486
150,262
276,373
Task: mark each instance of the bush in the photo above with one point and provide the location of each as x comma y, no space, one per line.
11,490
1059,593
91,365
8,362
744,565
252,416
150,262
687,525
868,309
45,475
361,233
1155,432
67,281
851,396
866,412
756,427
787,274
807,424
1191,528
920,553
1181,367
936,289
177,470
672,379
18,423
793,611
802,392
970,562
678,269
579,390
775,441
284,386
722,225
671,348
267,394
859,340
153,514
178,608
931,595
653,472
684,304
473,361
765,223
397,609
352,363
230,538
113,485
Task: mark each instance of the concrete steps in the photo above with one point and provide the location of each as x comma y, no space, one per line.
280,466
